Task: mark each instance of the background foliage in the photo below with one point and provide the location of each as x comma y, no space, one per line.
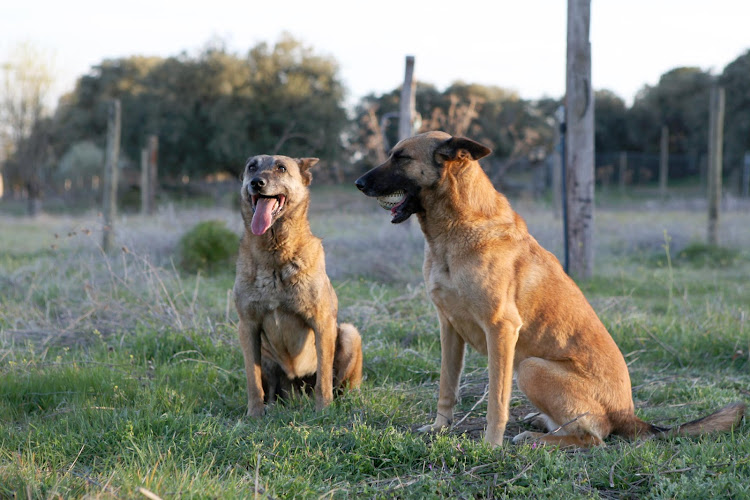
213,109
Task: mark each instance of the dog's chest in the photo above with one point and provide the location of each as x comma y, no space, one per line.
454,304
274,288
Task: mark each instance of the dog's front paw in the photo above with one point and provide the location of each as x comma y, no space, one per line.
256,411
322,403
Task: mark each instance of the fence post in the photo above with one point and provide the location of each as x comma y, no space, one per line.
715,158
579,110
153,164
664,161
408,98
746,176
111,174
557,159
145,176
622,170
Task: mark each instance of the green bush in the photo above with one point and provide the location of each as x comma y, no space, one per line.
209,247
704,255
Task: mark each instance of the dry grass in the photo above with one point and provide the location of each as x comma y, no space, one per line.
119,373
55,279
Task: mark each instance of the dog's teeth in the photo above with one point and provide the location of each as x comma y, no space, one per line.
391,200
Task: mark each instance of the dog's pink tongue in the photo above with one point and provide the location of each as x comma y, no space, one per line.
262,217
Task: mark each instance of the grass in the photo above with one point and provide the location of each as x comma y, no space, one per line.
121,377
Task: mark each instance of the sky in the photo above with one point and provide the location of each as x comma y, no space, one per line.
518,45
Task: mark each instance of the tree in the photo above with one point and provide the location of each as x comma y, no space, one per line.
513,128
610,122
679,101
26,81
214,109
736,80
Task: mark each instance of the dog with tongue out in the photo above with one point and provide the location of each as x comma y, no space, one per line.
288,326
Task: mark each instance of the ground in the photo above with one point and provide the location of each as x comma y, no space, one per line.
121,375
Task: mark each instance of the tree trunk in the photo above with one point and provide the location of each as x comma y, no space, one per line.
34,205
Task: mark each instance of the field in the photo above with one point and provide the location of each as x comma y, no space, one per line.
121,377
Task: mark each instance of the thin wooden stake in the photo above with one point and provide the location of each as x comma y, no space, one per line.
111,174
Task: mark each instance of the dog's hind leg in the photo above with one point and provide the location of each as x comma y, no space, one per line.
565,401
347,360
540,421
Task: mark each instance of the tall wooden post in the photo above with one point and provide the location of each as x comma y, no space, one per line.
145,177
664,161
622,170
579,108
715,160
746,176
111,174
153,166
408,101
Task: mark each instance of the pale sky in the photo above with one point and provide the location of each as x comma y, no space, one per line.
518,44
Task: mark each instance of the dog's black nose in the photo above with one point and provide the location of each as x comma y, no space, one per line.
257,182
360,184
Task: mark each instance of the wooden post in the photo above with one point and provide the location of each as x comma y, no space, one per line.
153,163
715,159
664,161
579,108
746,176
145,177
111,174
408,99
622,170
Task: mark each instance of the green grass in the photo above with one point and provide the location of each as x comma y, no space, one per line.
118,373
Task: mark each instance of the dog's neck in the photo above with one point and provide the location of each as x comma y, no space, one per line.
286,235
462,200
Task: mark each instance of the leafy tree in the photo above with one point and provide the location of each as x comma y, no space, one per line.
213,110
610,122
512,127
27,79
736,80
679,101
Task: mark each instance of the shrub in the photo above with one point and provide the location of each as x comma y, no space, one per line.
704,255
209,246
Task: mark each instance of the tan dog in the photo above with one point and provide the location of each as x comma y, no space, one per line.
498,290
286,304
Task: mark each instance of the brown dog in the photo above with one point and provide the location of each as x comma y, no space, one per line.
498,290
286,304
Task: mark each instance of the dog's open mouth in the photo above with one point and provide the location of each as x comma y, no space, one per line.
265,209
393,200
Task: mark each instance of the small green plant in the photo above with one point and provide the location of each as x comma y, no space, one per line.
209,246
705,255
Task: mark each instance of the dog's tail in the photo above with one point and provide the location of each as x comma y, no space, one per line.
722,420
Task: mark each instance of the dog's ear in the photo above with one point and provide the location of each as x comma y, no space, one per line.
305,164
461,148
